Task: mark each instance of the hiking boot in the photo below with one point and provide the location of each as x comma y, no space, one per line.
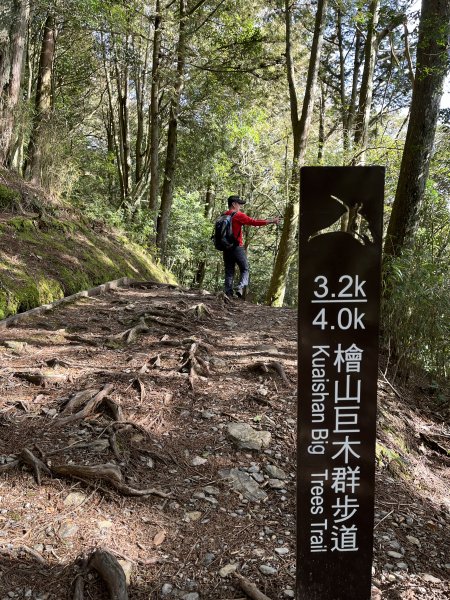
240,293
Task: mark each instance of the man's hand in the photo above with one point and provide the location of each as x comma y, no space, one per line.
275,220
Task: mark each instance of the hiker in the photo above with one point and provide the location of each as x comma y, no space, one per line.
237,255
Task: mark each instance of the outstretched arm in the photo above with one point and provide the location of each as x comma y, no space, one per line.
244,219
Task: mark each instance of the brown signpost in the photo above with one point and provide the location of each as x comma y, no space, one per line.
339,298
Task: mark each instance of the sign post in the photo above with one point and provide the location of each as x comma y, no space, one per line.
339,298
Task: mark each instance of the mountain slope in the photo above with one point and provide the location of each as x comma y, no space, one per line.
48,251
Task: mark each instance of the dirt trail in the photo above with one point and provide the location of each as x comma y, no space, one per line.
114,418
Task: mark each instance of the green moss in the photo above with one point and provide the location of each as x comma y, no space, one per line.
110,261
50,241
49,290
401,442
384,454
8,198
394,433
50,223
22,224
24,292
12,301
74,281
3,304
59,258
391,459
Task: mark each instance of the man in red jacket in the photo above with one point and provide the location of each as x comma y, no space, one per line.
237,255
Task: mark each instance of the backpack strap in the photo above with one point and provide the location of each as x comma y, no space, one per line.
232,215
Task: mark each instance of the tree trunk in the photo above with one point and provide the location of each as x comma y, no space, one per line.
322,112
141,87
110,121
43,102
351,112
365,95
201,267
171,155
154,115
111,145
343,95
17,151
12,46
348,104
124,122
300,129
432,67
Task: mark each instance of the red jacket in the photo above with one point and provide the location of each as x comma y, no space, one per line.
240,219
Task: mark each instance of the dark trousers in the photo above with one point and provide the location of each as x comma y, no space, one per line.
231,258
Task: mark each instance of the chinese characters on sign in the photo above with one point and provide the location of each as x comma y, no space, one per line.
338,346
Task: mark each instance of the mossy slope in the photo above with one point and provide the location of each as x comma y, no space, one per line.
44,257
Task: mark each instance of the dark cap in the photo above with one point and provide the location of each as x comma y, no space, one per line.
232,199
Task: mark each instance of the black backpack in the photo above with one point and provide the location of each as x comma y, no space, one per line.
222,235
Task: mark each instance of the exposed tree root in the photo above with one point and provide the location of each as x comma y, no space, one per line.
114,409
78,586
88,408
188,342
35,463
141,388
37,378
159,456
156,311
194,364
107,472
165,323
126,490
275,366
144,369
22,405
155,361
113,444
109,569
26,457
56,362
98,445
130,335
199,311
82,340
224,298
152,284
250,588
77,400
34,378
172,343
34,554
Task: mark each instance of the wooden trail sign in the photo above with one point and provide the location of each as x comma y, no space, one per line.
339,299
